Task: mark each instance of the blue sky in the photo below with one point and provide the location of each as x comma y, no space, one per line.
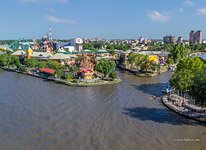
101,18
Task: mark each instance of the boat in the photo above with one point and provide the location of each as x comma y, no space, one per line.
166,91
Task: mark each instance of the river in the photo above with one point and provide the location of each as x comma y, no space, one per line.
39,115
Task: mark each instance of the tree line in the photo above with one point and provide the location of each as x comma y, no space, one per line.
142,64
190,78
104,66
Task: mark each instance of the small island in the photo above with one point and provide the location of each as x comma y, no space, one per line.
144,63
157,60
73,70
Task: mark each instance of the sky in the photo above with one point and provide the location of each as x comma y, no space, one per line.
111,19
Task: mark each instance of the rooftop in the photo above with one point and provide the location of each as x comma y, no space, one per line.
59,56
47,70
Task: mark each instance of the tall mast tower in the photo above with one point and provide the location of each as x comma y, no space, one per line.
50,33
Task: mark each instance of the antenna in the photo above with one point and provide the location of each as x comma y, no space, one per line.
50,33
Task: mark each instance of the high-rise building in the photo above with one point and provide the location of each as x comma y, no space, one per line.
196,37
169,39
143,40
192,37
180,40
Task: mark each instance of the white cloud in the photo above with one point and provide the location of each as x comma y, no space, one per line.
188,3
201,11
158,16
59,20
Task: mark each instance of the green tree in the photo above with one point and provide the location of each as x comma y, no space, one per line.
155,67
183,80
42,64
170,61
118,46
4,60
193,64
106,67
192,47
168,47
177,51
22,68
132,58
187,70
110,47
69,76
113,75
146,66
74,70
97,44
198,47
88,46
31,63
198,90
9,60
58,73
54,65
78,59
15,61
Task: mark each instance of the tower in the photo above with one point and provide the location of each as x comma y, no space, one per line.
50,33
192,37
78,44
198,37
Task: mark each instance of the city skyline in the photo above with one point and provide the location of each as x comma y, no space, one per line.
105,19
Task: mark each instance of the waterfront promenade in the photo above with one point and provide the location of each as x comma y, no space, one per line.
181,106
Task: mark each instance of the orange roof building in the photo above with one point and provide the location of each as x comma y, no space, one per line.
47,70
87,73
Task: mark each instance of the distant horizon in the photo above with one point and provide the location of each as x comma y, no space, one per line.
96,38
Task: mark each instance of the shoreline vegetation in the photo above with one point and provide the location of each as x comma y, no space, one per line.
84,71
187,88
189,80
144,64
85,83
148,74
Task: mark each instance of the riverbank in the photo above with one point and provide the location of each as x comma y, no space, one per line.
135,72
183,109
99,82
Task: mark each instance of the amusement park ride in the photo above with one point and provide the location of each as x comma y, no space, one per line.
19,44
46,44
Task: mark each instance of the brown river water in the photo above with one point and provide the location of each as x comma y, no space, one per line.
42,115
